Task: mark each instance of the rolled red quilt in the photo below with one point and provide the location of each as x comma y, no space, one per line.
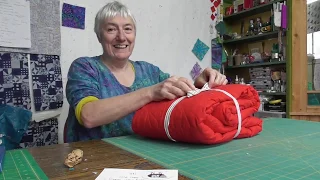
205,116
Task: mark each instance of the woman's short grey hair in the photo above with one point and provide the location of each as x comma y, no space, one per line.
110,10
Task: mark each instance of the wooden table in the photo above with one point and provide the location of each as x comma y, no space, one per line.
97,156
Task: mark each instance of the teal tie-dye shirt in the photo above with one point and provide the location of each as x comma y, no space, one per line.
88,76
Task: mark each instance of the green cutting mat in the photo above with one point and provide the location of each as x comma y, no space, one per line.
20,165
286,149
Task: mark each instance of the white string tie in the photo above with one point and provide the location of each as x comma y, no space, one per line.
197,91
193,93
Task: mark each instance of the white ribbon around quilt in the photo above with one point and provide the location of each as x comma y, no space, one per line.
193,93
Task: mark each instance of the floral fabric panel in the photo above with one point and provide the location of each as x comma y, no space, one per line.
46,81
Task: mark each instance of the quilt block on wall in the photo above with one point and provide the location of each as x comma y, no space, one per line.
14,80
41,133
46,81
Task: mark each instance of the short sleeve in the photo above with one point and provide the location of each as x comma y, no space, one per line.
82,81
163,76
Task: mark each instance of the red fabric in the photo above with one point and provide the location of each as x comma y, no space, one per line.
206,118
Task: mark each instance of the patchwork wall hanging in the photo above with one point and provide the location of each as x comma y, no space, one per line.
46,81
41,133
14,80
313,17
215,8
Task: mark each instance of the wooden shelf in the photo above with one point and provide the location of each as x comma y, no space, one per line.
313,92
257,64
246,39
273,93
252,11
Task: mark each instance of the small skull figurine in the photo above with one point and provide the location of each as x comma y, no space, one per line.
74,158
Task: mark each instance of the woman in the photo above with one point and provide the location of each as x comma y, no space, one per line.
105,91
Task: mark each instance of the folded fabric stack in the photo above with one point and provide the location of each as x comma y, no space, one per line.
204,116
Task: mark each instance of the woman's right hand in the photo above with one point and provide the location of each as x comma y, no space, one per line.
172,88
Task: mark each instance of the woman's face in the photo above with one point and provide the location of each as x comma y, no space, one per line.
118,37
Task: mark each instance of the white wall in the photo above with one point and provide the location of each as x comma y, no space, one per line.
166,33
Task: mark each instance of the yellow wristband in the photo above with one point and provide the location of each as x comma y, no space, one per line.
81,104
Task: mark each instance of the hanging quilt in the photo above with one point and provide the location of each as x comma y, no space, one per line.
216,54
41,133
313,17
14,80
46,81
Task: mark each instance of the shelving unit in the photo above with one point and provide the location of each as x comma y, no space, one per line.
264,36
234,23
273,93
257,65
250,12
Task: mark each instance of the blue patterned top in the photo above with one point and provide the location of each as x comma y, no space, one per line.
88,76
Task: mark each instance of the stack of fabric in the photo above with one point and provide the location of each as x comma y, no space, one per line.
204,116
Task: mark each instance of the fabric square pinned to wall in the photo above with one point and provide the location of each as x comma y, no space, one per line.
14,80
200,49
46,81
195,71
73,16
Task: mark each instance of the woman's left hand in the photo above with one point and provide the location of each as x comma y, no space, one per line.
212,77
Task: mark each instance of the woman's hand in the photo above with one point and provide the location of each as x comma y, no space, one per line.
212,77
171,88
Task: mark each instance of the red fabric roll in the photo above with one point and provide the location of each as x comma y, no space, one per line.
209,117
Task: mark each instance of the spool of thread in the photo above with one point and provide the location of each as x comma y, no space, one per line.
238,59
230,60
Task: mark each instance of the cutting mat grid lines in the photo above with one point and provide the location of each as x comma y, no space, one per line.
20,165
286,149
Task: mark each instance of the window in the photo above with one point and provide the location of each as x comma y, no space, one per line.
313,51
313,44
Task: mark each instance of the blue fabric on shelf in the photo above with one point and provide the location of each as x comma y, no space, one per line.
14,123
